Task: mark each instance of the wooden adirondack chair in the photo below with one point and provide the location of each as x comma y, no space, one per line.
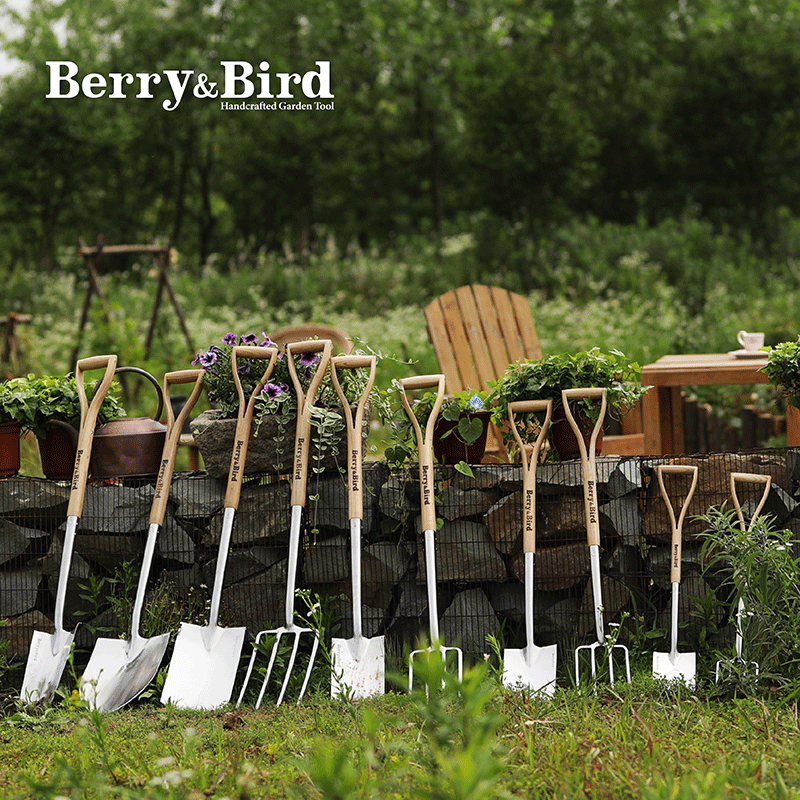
476,332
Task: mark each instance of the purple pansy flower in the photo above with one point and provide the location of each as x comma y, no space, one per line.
274,390
266,341
210,357
249,338
308,359
230,339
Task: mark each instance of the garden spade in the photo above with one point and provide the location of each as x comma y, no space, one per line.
532,667
357,663
49,651
203,667
428,508
119,670
674,665
589,470
305,403
766,481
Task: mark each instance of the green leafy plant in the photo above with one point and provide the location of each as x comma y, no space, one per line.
760,566
545,378
35,401
783,370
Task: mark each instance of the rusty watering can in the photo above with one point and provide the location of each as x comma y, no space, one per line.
130,446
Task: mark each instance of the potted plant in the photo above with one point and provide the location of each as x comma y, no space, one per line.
783,370
544,379
274,419
16,413
55,416
459,434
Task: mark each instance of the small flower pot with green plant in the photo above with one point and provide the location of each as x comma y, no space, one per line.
545,378
50,407
459,435
783,370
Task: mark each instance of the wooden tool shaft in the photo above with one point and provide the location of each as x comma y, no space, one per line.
305,402
529,463
245,417
587,457
677,525
89,414
174,428
424,441
354,422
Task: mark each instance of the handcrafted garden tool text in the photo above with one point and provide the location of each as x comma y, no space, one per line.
766,481
532,667
593,530
428,508
203,666
674,665
357,663
49,651
305,402
120,669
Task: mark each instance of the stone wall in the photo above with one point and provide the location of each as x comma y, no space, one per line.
479,555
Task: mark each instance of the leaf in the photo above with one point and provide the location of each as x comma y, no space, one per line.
470,429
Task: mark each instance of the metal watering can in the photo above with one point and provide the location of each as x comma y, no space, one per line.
130,446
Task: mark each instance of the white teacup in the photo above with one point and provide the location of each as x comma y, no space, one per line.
751,341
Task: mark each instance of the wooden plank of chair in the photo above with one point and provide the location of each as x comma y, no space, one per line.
459,342
526,327
493,329
476,338
439,335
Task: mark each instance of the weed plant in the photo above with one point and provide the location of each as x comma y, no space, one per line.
761,567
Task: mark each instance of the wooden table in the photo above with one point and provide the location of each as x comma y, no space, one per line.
662,409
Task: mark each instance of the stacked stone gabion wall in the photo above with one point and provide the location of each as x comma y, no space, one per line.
480,564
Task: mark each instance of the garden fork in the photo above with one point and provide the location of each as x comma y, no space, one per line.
593,530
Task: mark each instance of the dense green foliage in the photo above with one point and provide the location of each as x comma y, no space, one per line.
501,118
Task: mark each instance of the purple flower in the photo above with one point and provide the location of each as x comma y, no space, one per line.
209,358
307,374
266,341
308,359
231,339
273,390
243,369
249,338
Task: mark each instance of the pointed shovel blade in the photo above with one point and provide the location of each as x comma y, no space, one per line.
683,667
115,674
46,661
531,667
358,667
203,667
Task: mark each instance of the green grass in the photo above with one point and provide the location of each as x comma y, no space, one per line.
628,743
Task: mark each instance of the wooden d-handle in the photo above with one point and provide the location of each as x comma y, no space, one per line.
424,443
529,463
355,496
587,459
305,401
677,527
749,477
174,428
245,417
89,414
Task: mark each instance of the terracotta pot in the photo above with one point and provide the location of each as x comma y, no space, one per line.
451,448
9,448
57,451
563,438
